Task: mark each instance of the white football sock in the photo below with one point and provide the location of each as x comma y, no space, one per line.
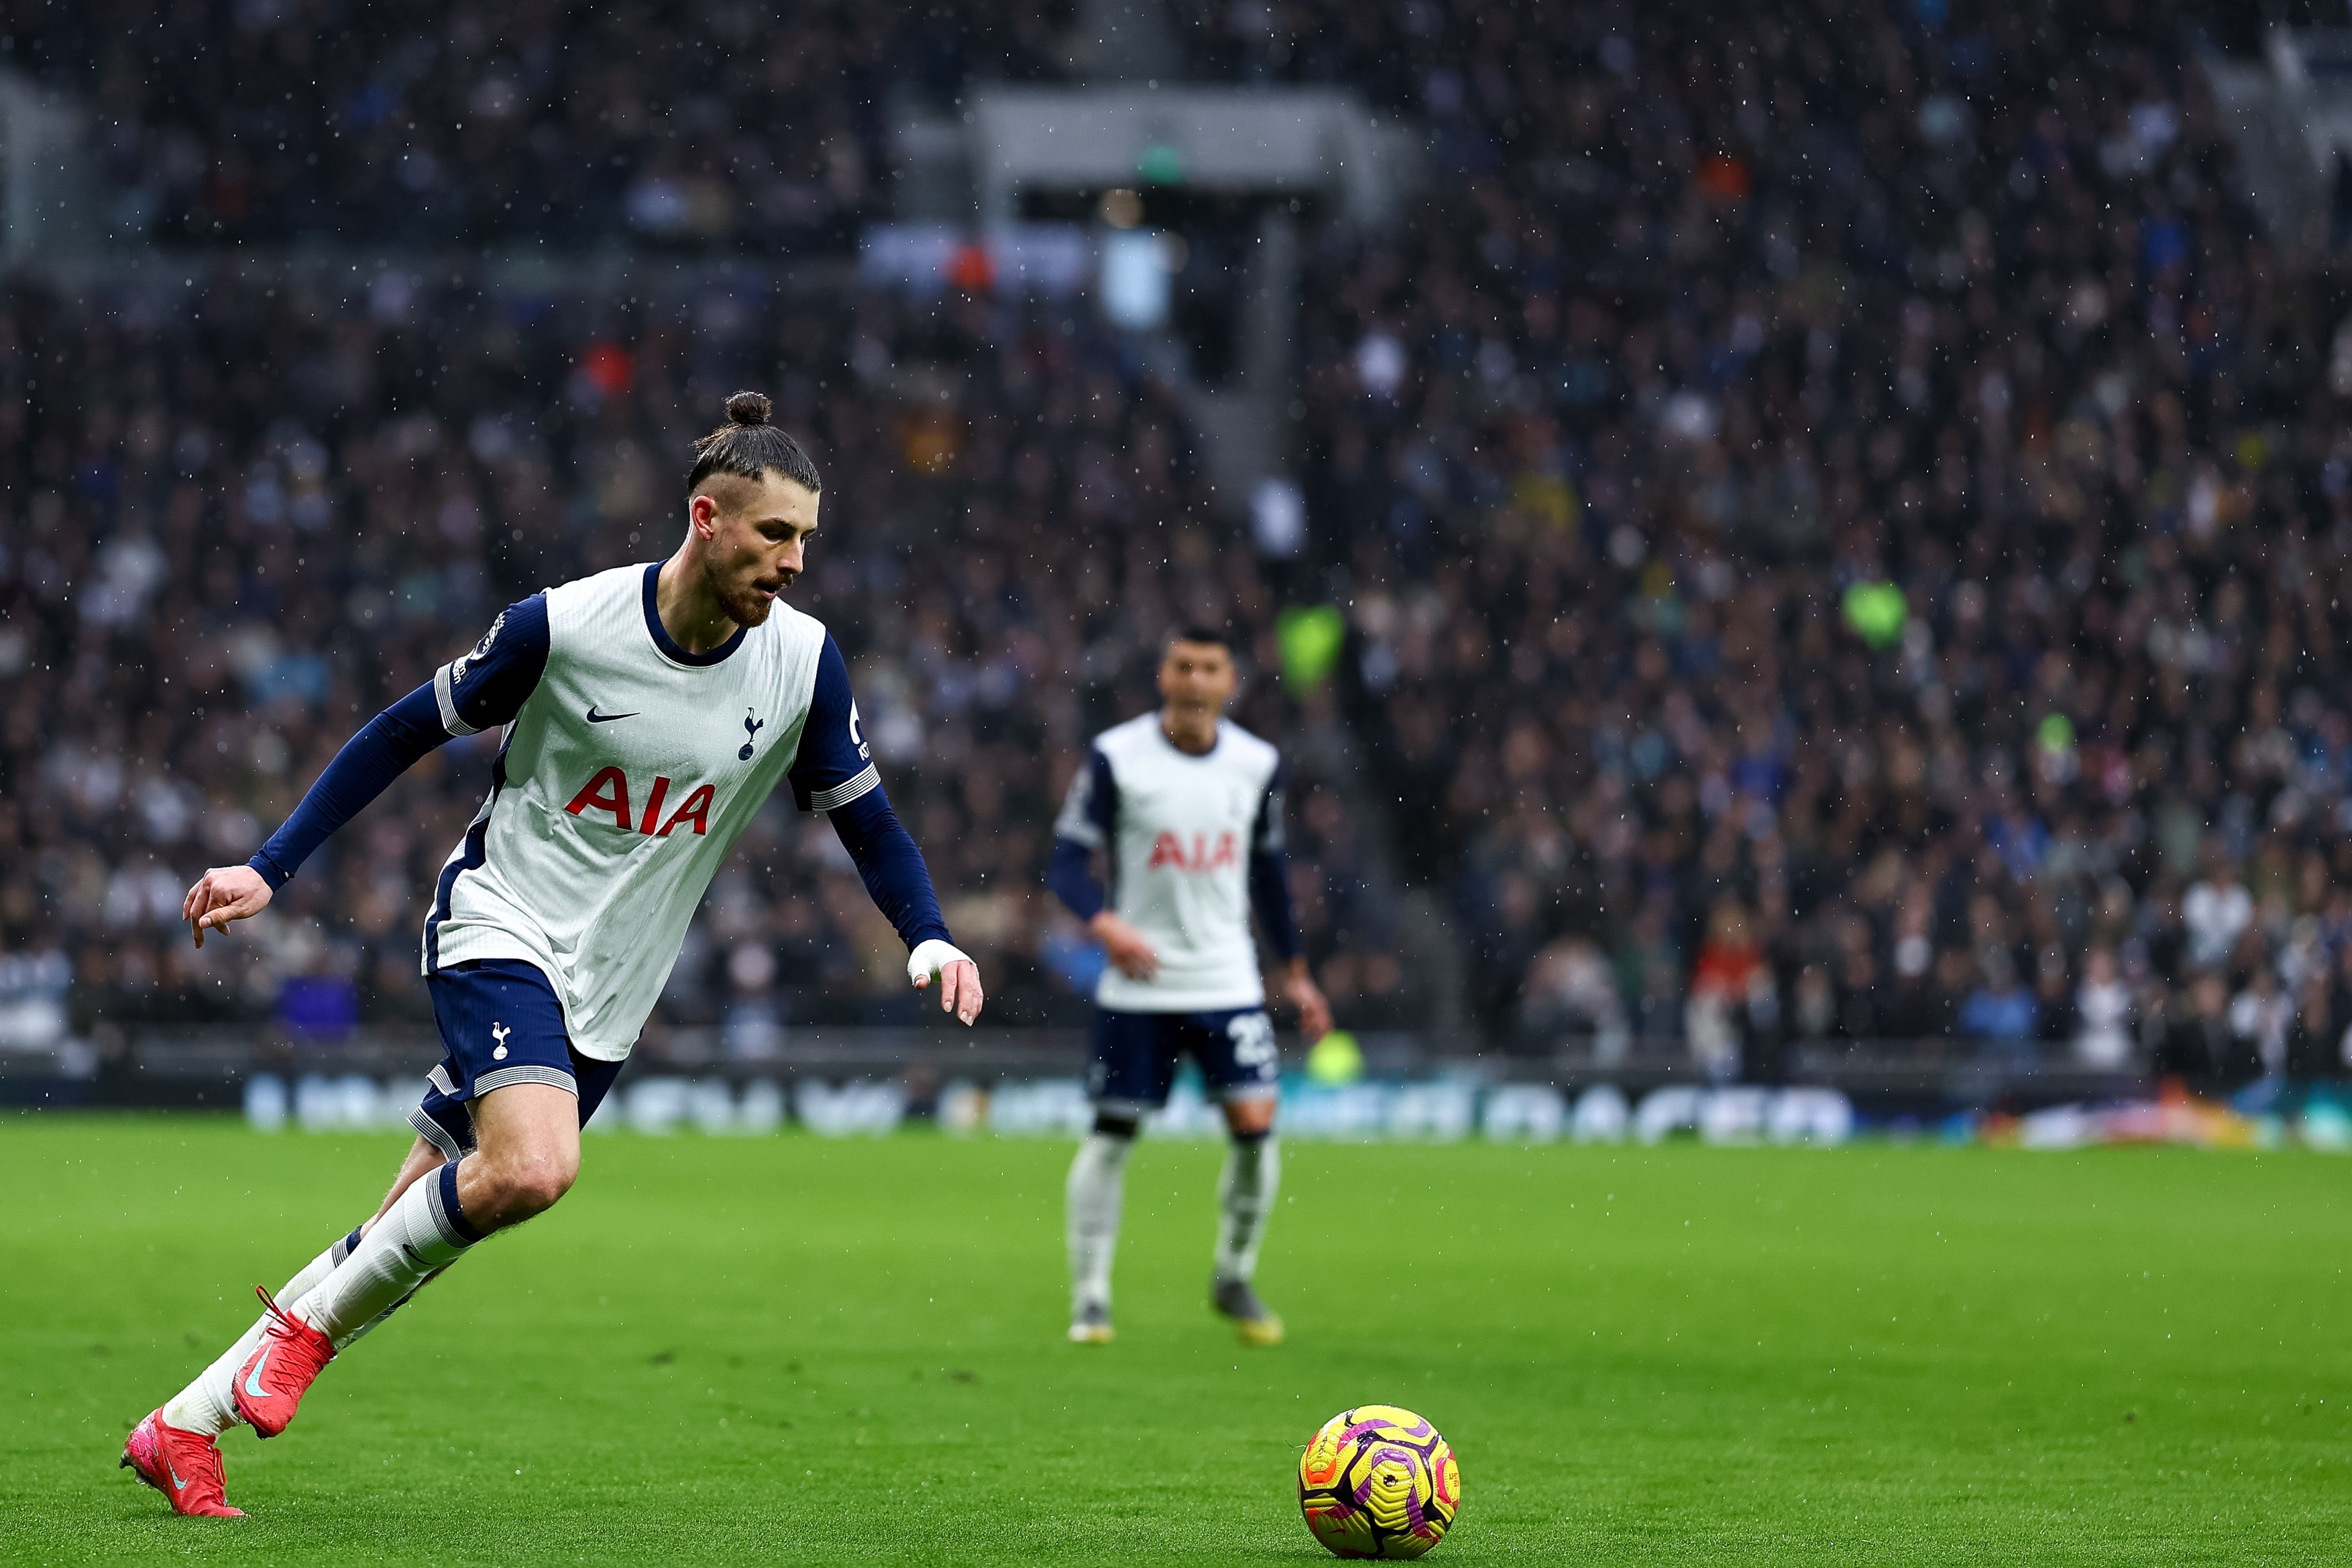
1097,1186
416,1239
1245,1192
207,1406
372,1325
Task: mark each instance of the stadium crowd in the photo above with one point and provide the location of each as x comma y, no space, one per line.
714,124
1851,526
1843,529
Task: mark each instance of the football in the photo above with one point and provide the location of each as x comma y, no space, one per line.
1377,1481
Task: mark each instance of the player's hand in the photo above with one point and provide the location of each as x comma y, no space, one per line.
959,990
223,894
1129,952
1314,1011
958,976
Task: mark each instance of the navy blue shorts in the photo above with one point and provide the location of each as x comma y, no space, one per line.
501,1024
1136,1053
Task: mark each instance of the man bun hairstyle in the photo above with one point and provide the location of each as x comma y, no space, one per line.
746,446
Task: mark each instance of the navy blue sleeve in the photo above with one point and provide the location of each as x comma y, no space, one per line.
1269,872
1088,822
835,765
368,761
891,867
487,687
1070,876
835,773
475,690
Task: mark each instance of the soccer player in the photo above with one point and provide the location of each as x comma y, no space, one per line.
1186,810
649,711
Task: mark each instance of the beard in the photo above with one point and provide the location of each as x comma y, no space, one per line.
744,603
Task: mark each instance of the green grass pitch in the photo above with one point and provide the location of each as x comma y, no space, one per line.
787,1350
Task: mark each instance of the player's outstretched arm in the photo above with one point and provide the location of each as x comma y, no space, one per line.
1088,818
835,773
1070,876
390,744
485,687
1314,1009
1269,887
900,886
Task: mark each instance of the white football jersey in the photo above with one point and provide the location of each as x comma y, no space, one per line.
628,769
1180,831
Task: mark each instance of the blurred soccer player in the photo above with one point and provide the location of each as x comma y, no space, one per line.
1186,809
649,711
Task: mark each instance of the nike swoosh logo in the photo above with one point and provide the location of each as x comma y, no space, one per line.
176,1481
596,718
253,1378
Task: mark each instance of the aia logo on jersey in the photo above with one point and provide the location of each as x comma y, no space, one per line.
1203,855
609,792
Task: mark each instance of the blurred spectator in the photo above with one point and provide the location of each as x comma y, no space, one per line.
2261,1016
1570,990
2202,1049
2102,1009
2217,912
2319,1046
2056,1024
1813,1013
1729,968
2000,1012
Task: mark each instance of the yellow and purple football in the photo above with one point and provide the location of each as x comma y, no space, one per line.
1377,1481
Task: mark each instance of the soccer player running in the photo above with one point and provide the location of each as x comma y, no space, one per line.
1186,809
649,711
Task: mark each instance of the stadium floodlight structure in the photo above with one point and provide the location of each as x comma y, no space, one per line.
48,205
1223,174
2289,113
1269,144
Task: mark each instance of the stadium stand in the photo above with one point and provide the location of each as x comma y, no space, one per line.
1842,530
712,124
1806,615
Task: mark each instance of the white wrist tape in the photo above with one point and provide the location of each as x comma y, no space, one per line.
930,956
